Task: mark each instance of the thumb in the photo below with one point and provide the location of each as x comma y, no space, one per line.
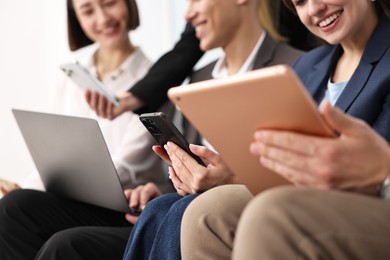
339,121
205,153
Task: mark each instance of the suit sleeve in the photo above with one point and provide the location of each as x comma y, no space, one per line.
170,70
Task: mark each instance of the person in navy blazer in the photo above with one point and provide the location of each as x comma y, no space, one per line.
366,96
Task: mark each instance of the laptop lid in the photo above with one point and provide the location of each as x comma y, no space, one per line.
228,111
72,158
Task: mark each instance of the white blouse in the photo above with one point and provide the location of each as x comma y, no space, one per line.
127,139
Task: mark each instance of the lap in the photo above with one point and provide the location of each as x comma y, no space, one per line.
330,224
86,243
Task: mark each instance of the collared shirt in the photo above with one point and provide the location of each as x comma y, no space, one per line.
220,69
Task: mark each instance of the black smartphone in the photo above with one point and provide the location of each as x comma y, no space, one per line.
163,130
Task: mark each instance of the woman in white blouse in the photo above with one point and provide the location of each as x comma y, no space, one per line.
99,34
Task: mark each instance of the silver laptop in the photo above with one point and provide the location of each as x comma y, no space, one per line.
72,158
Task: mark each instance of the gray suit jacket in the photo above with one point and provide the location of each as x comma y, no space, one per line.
270,53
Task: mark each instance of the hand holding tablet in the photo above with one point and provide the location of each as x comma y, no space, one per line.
228,111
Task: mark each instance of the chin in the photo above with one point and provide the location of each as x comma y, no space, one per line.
206,46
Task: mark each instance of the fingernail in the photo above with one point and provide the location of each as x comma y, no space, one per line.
194,146
254,148
259,135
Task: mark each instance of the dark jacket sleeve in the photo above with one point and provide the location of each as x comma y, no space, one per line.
169,71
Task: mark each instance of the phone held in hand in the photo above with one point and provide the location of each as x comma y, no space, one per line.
163,130
83,78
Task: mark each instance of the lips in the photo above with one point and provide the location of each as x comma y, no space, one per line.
109,30
330,20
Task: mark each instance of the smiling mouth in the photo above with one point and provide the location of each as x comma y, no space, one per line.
328,21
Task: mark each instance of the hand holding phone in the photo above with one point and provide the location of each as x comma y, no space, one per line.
86,80
163,130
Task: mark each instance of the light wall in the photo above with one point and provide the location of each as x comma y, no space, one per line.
32,44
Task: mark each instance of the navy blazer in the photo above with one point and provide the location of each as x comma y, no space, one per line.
366,95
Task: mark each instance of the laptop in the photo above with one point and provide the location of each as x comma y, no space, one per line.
228,111
72,158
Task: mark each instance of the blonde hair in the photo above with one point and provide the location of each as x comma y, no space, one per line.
269,15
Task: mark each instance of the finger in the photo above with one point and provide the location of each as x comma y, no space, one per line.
289,158
110,110
148,192
180,171
180,187
128,194
182,162
130,218
102,104
340,121
162,153
135,197
299,143
294,176
88,97
93,102
205,153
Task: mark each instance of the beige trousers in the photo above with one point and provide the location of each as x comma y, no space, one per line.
285,223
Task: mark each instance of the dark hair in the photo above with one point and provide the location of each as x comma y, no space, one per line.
382,7
76,36
295,31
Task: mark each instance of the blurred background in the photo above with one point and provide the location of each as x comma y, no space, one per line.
33,43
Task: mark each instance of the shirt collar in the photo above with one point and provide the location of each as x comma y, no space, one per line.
130,61
220,70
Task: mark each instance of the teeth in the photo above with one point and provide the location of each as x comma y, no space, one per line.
328,20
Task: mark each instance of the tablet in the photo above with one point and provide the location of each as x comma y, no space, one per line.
86,80
228,111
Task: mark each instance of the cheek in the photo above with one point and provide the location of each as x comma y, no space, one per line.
305,20
87,25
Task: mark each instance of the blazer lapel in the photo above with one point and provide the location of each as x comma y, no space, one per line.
265,53
375,49
317,80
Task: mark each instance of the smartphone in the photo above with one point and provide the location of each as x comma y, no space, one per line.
86,80
163,130
9,185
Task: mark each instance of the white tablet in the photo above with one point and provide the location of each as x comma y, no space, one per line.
86,80
228,111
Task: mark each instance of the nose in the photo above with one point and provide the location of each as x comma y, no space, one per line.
102,16
189,12
316,7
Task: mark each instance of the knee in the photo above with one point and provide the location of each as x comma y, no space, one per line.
181,205
62,245
162,203
281,204
219,205
14,204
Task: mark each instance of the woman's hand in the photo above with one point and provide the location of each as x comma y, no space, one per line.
106,109
139,197
189,177
357,160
